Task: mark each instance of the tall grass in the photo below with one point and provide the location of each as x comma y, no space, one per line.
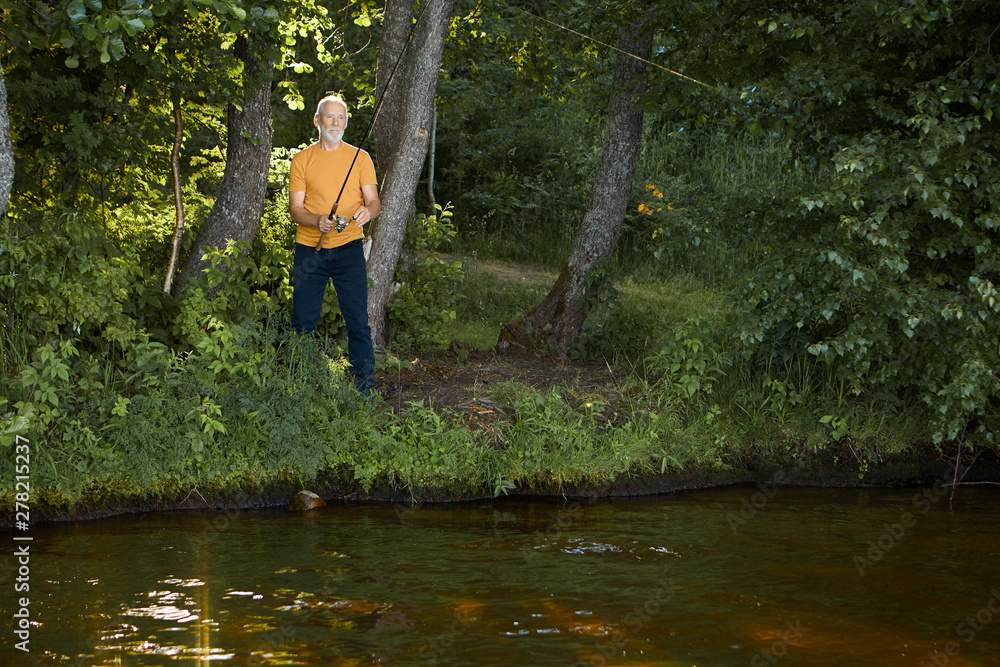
546,238
711,175
712,181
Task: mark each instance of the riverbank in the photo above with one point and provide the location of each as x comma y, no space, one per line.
763,474
469,424
662,395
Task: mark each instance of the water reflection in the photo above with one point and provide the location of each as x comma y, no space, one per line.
670,580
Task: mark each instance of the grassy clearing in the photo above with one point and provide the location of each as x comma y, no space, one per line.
627,324
491,294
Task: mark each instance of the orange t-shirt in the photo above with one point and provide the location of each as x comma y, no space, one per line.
320,174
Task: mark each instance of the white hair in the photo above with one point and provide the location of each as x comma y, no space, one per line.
329,98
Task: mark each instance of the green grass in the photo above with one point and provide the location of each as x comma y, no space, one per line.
629,321
671,337
486,301
546,239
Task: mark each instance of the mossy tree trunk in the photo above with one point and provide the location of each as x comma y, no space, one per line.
554,324
237,211
402,134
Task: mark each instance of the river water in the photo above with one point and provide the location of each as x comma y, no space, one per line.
735,576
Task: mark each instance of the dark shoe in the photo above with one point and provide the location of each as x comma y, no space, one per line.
366,387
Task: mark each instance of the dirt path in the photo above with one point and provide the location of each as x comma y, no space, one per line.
465,381
532,273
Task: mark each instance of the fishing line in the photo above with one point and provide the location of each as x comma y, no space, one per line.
615,48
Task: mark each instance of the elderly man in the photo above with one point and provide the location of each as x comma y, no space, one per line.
315,180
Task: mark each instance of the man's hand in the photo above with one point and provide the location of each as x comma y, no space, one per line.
325,224
362,215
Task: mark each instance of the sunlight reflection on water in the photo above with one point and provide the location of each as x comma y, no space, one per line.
665,580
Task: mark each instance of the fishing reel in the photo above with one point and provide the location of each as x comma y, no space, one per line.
341,225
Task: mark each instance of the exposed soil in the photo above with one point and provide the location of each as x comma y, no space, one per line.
465,380
532,273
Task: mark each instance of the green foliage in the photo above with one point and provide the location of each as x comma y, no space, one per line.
556,439
250,400
697,190
11,426
889,267
686,366
92,87
485,301
635,322
69,280
519,130
230,290
425,302
73,316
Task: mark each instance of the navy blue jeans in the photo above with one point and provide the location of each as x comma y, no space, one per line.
346,266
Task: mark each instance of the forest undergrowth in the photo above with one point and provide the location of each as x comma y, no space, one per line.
659,386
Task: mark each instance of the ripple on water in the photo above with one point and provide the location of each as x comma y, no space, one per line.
579,546
585,546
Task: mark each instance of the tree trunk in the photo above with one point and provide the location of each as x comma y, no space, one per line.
396,26
555,323
238,208
6,149
431,152
175,163
402,136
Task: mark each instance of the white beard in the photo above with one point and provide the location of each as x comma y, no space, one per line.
333,135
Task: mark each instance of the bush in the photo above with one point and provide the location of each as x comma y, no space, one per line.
425,302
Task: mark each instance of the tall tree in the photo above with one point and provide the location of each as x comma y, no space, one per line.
6,149
105,71
237,211
555,323
402,136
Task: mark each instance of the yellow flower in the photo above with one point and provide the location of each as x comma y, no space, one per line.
650,186
644,209
657,193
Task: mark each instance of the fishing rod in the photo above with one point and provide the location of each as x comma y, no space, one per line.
342,220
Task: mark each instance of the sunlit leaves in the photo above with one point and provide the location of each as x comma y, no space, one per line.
107,69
